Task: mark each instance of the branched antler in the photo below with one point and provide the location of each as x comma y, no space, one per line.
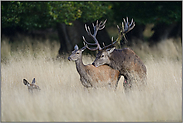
96,27
126,27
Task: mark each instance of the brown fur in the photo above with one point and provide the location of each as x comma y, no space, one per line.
92,76
126,61
102,76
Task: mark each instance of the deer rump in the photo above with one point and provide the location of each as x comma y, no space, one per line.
126,60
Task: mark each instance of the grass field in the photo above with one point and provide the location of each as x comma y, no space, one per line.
63,98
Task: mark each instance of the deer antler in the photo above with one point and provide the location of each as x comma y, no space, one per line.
96,27
126,27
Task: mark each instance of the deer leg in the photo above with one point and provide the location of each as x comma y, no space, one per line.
127,84
116,85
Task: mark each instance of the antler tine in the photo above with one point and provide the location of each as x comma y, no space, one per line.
93,25
97,23
84,43
123,28
126,25
124,21
118,29
131,22
102,25
127,20
95,28
112,39
87,30
103,44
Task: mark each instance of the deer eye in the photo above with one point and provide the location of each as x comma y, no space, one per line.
77,53
102,55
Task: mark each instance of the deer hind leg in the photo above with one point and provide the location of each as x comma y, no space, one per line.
127,84
116,85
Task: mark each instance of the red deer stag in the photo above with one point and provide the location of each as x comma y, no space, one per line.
91,76
31,87
124,60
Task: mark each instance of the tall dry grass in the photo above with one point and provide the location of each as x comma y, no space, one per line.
63,98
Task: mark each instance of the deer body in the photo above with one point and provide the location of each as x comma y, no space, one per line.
91,76
126,62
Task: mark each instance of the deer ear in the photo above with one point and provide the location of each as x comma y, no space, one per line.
33,81
25,82
76,47
109,51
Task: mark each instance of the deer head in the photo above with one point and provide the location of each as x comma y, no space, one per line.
77,53
32,86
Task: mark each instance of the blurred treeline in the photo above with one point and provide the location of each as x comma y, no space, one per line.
67,19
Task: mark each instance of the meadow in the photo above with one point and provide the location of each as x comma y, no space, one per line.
63,98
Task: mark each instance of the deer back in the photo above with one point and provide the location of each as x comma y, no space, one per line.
127,60
102,75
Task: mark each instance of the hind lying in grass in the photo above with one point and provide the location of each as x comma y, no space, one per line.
31,87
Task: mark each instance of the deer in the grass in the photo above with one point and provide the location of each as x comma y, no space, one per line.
91,76
31,87
124,60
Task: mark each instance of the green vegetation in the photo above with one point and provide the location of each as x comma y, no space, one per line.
149,12
30,15
39,15
65,16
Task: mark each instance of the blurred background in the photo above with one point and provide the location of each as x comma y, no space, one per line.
34,34
63,22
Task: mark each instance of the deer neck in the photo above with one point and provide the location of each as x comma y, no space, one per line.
80,66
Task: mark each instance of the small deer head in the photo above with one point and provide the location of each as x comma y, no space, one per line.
77,53
32,86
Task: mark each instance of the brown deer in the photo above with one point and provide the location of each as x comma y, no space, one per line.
91,76
31,87
124,60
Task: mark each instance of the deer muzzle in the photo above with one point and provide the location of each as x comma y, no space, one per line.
94,64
